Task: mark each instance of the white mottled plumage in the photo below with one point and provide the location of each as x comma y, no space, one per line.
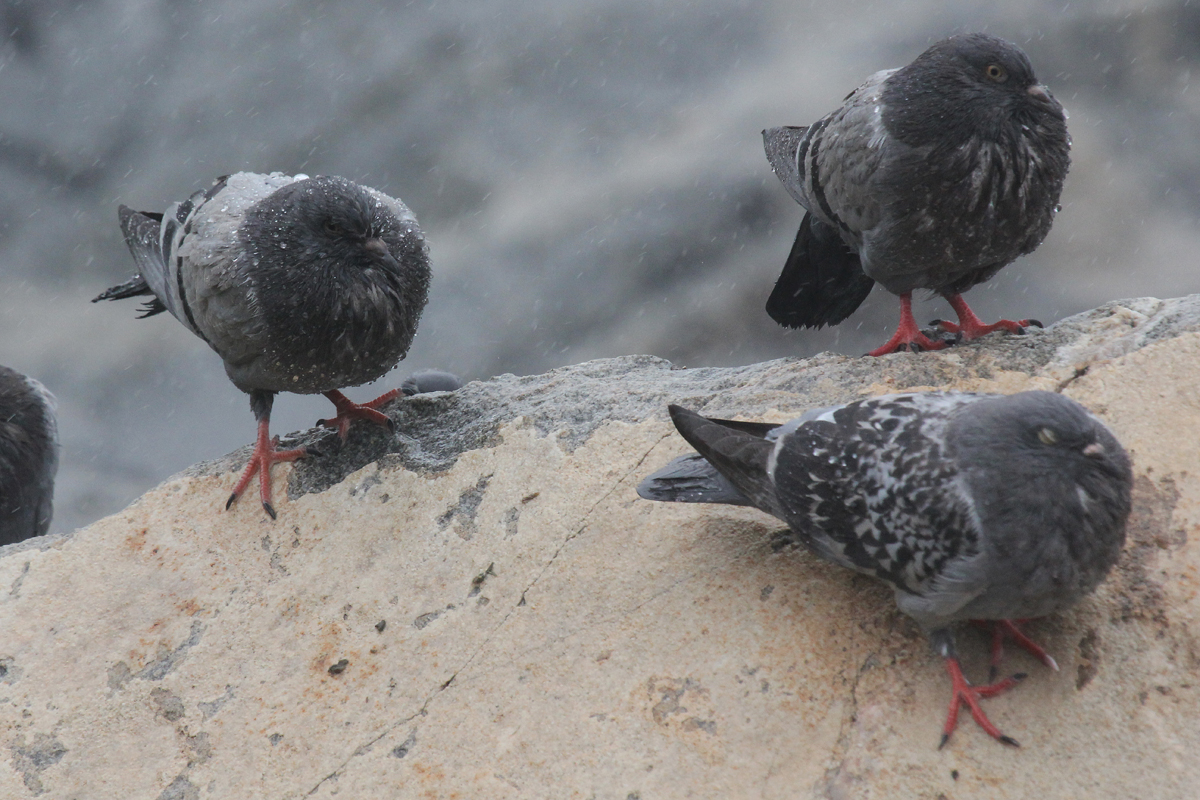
970,506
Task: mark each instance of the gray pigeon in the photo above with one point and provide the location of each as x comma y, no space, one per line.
970,506
932,176
28,457
300,284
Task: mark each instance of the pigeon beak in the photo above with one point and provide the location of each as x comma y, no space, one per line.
378,248
1094,450
1039,91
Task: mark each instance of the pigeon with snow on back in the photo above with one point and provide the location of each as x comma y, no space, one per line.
303,285
28,457
970,506
932,176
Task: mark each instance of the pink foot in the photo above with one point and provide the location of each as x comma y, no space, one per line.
1008,627
348,411
964,692
907,336
261,459
971,327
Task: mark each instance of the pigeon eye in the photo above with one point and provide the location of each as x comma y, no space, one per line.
996,73
333,228
1047,436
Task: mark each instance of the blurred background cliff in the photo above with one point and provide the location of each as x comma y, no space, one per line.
590,175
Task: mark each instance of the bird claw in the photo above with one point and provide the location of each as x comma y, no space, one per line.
963,693
1011,628
266,452
348,410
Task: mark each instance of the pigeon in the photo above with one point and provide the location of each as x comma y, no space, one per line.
304,285
931,176
430,380
970,506
28,457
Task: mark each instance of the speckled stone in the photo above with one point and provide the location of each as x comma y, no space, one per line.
480,606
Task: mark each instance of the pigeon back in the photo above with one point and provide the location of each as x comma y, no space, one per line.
430,380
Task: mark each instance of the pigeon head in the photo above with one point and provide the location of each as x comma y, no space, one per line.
968,86
328,223
327,255
1043,429
1038,460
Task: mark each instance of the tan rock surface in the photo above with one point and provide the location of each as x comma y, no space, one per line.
549,635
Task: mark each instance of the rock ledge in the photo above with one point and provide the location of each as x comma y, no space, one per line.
480,606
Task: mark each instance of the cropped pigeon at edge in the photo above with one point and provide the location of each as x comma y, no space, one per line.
932,176
28,457
970,506
304,285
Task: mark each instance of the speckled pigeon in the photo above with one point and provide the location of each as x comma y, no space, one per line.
28,457
932,176
300,284
970,506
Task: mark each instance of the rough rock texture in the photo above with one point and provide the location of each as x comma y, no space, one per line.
481,607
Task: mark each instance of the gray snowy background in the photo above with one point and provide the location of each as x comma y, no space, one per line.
590,175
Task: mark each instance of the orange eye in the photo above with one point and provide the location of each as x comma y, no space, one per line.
996,72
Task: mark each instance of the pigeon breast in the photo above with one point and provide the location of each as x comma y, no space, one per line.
973,167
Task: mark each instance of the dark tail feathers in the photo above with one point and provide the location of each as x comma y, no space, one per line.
730,468
134,287
690,479
822,282
138,226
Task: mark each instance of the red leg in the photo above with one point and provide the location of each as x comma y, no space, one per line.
997,651
1009,626
964,692
1002,628
348,410
971,327
261,459
908,336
